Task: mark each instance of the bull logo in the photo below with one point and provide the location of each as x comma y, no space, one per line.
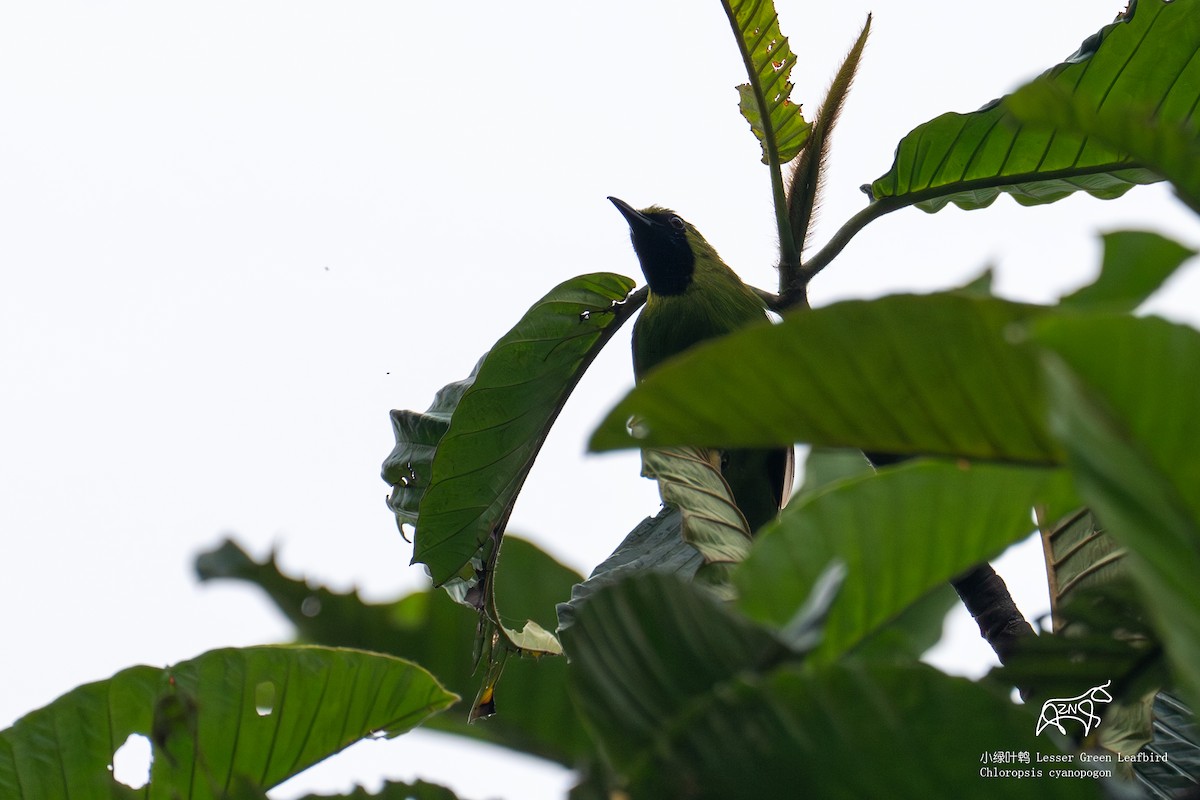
1081,708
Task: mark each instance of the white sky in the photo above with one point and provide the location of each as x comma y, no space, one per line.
234,235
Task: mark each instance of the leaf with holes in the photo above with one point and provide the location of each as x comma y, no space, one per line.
256,715
1145,58
766,101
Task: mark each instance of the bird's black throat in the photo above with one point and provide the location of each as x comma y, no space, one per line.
660,241
667,258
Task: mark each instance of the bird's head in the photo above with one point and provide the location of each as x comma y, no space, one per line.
666,245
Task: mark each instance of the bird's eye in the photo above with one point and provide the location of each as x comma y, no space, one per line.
676,223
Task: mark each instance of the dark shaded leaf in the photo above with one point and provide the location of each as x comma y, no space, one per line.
1105,636
655,545
1177,737
847,732
693,701
969,159
642,649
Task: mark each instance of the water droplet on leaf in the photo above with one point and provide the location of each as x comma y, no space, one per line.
310,606
264,698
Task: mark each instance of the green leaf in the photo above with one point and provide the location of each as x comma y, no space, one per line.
969,159
692,643
534,714
846,732
465,487
933,375
690,481
827,465
908,636
693,701
954,516
765,102
1135,265
257,715
1170,147
1123,398
1103,635
656,545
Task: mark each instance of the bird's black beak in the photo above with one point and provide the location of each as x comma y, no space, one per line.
635,218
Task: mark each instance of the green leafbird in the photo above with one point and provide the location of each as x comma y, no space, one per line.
695,296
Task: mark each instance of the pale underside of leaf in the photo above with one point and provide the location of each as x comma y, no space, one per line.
970,159
690,479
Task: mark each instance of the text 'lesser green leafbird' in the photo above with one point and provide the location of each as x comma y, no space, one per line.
695,296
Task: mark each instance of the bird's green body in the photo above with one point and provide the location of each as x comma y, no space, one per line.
695,296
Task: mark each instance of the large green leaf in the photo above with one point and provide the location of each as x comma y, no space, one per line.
1147,373
934,374
256,715
1146,57
848,732
901,533
694,644
766,100
1170,147
458,468
534,714
1124,393
694,701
